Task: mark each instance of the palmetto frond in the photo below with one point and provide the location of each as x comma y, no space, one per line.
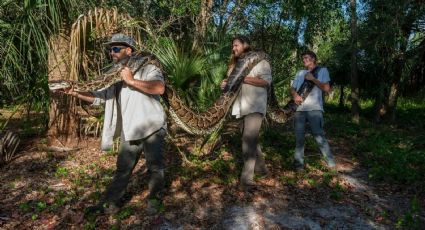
196,76
25,49
181,68
89,32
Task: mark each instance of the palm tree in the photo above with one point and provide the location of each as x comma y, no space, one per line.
78,55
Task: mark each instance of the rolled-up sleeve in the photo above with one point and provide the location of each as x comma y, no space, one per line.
150,73
298,80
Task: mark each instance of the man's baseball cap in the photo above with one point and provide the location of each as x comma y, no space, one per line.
121,39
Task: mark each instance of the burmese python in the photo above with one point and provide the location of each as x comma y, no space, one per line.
210,120
282,115
110,76
192,121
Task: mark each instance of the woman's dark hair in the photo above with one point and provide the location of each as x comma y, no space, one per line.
243,39
309,53
246,42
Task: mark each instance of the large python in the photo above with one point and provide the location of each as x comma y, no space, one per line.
191,121
282,115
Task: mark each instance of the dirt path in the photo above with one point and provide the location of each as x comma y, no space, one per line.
360,204
50,190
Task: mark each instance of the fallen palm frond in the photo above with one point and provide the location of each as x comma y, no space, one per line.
9,143
90,126
79,55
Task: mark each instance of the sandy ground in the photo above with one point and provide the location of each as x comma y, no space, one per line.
46,189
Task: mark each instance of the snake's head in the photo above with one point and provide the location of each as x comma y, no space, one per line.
55,85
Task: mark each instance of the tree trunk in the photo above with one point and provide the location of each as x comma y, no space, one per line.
202,23
388,110
63,119
386,106
416,79
391,100
341,97
355,93
379,105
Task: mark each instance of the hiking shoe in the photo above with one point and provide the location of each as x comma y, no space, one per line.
262,172
331,164
247,186
299,169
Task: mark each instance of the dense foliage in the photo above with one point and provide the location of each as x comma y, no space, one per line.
192,39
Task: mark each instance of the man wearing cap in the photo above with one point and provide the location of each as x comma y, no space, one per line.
133,112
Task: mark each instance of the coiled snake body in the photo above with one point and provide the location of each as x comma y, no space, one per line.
191,121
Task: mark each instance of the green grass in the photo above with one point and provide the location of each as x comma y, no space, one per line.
125,213
393,155
411,219
288,180
33,207
61,172
393,152
278,147
337,192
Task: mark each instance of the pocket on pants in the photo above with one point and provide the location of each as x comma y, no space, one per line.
316,122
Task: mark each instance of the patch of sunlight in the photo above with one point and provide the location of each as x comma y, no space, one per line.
242,218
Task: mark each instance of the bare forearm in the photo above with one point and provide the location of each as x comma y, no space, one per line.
149,87
85,96
297,98
293,92
322,86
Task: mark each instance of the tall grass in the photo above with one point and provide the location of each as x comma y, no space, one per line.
27,27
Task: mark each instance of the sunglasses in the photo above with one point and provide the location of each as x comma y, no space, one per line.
116,49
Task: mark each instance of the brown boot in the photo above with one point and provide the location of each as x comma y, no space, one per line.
260,165
247,185
262,172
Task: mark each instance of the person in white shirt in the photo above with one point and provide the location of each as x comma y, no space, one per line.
250,105
133,111
311,109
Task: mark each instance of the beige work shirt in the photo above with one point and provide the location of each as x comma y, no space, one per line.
253,99
134,115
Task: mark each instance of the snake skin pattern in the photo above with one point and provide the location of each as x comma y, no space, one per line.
282,115
191,121
110,76
212,119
